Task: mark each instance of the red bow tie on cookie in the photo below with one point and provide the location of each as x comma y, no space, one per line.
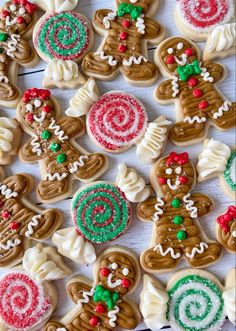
177,158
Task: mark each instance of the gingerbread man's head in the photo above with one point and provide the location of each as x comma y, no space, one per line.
148,6
36,108
175,52
118,271
173,174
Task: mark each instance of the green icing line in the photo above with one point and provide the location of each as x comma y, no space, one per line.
227,175
191,292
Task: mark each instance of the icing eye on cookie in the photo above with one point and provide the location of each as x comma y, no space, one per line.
125,271
169,171
178,170
170,51
180,46
114,266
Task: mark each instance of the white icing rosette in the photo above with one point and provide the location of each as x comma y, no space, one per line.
56,5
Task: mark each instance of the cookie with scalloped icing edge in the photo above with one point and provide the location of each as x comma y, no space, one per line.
226,229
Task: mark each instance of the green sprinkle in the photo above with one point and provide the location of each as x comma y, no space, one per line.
46,134
181,235
61,158
55,147
178,220
176,203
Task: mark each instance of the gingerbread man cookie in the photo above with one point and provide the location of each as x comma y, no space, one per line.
101,212
126,31
62,37
174,213
10,139
102,306
20,220
193,300
27,296
226,229
17,18
191,86
217,159
53,145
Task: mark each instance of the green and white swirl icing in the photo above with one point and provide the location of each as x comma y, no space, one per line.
230,171
196,304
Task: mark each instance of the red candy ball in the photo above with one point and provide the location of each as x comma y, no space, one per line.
6,214
105,272
29,117
170,59
20,20
14,225
189,51
5,13
203,105
123,35
183,179
94,321
122,48
47,109
125,23
100,309
162,180
125,283
197,93
192,82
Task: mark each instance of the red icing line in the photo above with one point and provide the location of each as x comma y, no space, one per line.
117,120
226,218
177,158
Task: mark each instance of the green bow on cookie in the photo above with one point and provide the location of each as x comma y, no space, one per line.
128,8
103,295
189,70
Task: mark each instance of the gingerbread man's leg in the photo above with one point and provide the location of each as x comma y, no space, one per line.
53,326
225,116
137,68
50,189
203,254
92,167
183,132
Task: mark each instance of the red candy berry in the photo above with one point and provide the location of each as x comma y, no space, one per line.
122,48
123,35
94,321
20,20
170,59
189,51
192,82
5,13
47,109
183,179
197,93
203,105
100,309
14,225
125,23
5,214
125,283
29,117
105,272
162,180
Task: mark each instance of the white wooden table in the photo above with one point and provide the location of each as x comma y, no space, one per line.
138,235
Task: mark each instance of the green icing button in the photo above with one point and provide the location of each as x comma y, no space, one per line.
178,220
176,203
46,134
181,235
61,158
55,147
3,36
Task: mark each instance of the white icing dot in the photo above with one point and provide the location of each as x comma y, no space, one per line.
29,107
170,51
114,266
125,271
234,234
37,103
169,171
180,46
12,7
178,170
22,11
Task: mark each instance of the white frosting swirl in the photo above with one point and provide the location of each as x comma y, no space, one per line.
213,159
222,38
153,304
56,5
131,184
154,140
229,296
61,70
73,246
6,135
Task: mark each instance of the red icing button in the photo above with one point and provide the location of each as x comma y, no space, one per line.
6,214
125,283
125,23
170,59
94,321
105,272
47,109
189,51
100,309
203,105
192,82
122,48
197,93
20,20
14,225
183,179
162,180
123,35
29,117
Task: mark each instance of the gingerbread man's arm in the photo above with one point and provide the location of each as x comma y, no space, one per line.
31,151
216,70
76,288
203,203
71,126
128,316
169,89
153,30
146,209
21,184
100,18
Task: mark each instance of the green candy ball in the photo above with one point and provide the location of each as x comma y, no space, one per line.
61,158
178,220
3,36
176,203
181,235
55,147
46,134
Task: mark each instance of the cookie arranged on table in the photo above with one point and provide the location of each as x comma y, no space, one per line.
17,18
192,87
226,229
53,145
118,120
127,32
174,213
20,219
62,37
101,212
192,300
217,159
197,19
10,139
27,296
102,305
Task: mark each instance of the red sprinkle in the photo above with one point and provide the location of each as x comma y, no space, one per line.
125,23
94,321
20,20
100,309
189,51
47,109
29,117
122,48
6,214
170,59
183,179
197,93
162,180
5,13
125,283
203,104
14,225
193,82
123,35
105,272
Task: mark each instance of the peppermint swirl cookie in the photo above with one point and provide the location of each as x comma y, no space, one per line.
116,121
101,212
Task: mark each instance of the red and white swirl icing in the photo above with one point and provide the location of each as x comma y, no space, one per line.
204,15
117,120
24,305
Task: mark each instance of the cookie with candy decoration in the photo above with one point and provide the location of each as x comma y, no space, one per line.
9,131
197,19
20,220
192,300
17,18
53,146
226,229
28,298
103,305
62,37
192,87
127,30
118,120
101,213
174,212
218,160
